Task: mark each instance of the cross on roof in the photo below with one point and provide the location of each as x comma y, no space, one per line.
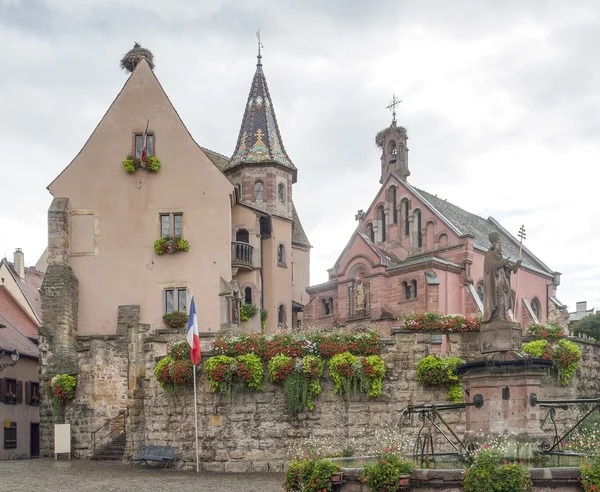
392,106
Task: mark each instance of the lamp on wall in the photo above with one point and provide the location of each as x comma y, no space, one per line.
15,358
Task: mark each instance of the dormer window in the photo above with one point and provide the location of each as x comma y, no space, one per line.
139,145
281,193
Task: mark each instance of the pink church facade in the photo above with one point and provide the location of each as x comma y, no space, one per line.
415,252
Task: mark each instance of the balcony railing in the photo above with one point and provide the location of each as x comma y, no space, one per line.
241,254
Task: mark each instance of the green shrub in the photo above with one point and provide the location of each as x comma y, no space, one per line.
309,475
248,311
223,372
492,473
385,473
565,356
590,474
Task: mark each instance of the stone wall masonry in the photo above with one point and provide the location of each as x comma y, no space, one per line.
252,432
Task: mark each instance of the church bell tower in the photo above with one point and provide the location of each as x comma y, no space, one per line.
394,150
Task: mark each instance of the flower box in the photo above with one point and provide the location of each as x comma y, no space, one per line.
10,398
404,481
170,245
337,477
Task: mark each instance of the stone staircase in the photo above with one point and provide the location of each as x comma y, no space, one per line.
113,450
109,440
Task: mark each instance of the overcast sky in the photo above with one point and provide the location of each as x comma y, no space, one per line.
501,101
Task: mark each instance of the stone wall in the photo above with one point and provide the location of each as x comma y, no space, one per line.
252,432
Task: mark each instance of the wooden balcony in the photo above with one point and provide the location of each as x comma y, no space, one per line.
241,255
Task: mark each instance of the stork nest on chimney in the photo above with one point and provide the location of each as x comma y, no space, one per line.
134,56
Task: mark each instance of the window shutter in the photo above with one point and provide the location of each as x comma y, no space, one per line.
28,392
2,388
19,391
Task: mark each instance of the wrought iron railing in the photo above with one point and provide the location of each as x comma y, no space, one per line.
554,447
429,415
108,431
241,253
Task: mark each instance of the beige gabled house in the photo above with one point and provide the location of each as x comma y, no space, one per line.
246,242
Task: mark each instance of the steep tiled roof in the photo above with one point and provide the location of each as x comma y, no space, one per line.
298,235
259,139
30,286
217,159
12,314
467,223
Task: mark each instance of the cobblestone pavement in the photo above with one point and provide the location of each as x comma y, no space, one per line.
108,476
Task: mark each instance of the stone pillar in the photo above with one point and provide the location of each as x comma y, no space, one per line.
135,422
505,388
59,296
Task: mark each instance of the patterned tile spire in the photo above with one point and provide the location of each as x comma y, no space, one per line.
259,140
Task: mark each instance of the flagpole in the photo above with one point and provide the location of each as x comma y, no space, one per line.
195,355
196,422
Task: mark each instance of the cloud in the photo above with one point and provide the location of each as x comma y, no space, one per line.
500,100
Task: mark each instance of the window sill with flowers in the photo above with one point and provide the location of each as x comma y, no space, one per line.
10,398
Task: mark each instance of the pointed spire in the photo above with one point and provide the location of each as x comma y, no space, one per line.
259,140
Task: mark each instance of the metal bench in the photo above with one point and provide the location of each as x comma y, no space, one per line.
161,454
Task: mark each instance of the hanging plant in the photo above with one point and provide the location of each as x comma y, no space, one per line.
351,373
371,377
437,371
62,388
565,356
162,373
132,163
224,372
220,371
170,245
175,320
301,380
247,311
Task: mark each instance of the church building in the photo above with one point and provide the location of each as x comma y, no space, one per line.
415,252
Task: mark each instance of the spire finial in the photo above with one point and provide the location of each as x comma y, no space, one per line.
392,106
259,47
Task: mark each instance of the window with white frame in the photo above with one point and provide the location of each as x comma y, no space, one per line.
175,299
139,145
171,224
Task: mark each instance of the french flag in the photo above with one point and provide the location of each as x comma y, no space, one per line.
193,338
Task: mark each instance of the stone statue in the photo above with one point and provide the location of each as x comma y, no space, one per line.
360,295
496,282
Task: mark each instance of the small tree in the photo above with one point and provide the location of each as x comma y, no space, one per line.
590,326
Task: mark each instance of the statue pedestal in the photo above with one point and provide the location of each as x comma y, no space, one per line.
500,336
505,380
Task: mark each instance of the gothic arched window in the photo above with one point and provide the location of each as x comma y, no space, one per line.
281,193
419,232
480,290
414,289
394,209
281,317
406,217
248,295
382,219
536,308
281,254
259,191
370,232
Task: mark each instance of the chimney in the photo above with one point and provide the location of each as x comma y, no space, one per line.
19,261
